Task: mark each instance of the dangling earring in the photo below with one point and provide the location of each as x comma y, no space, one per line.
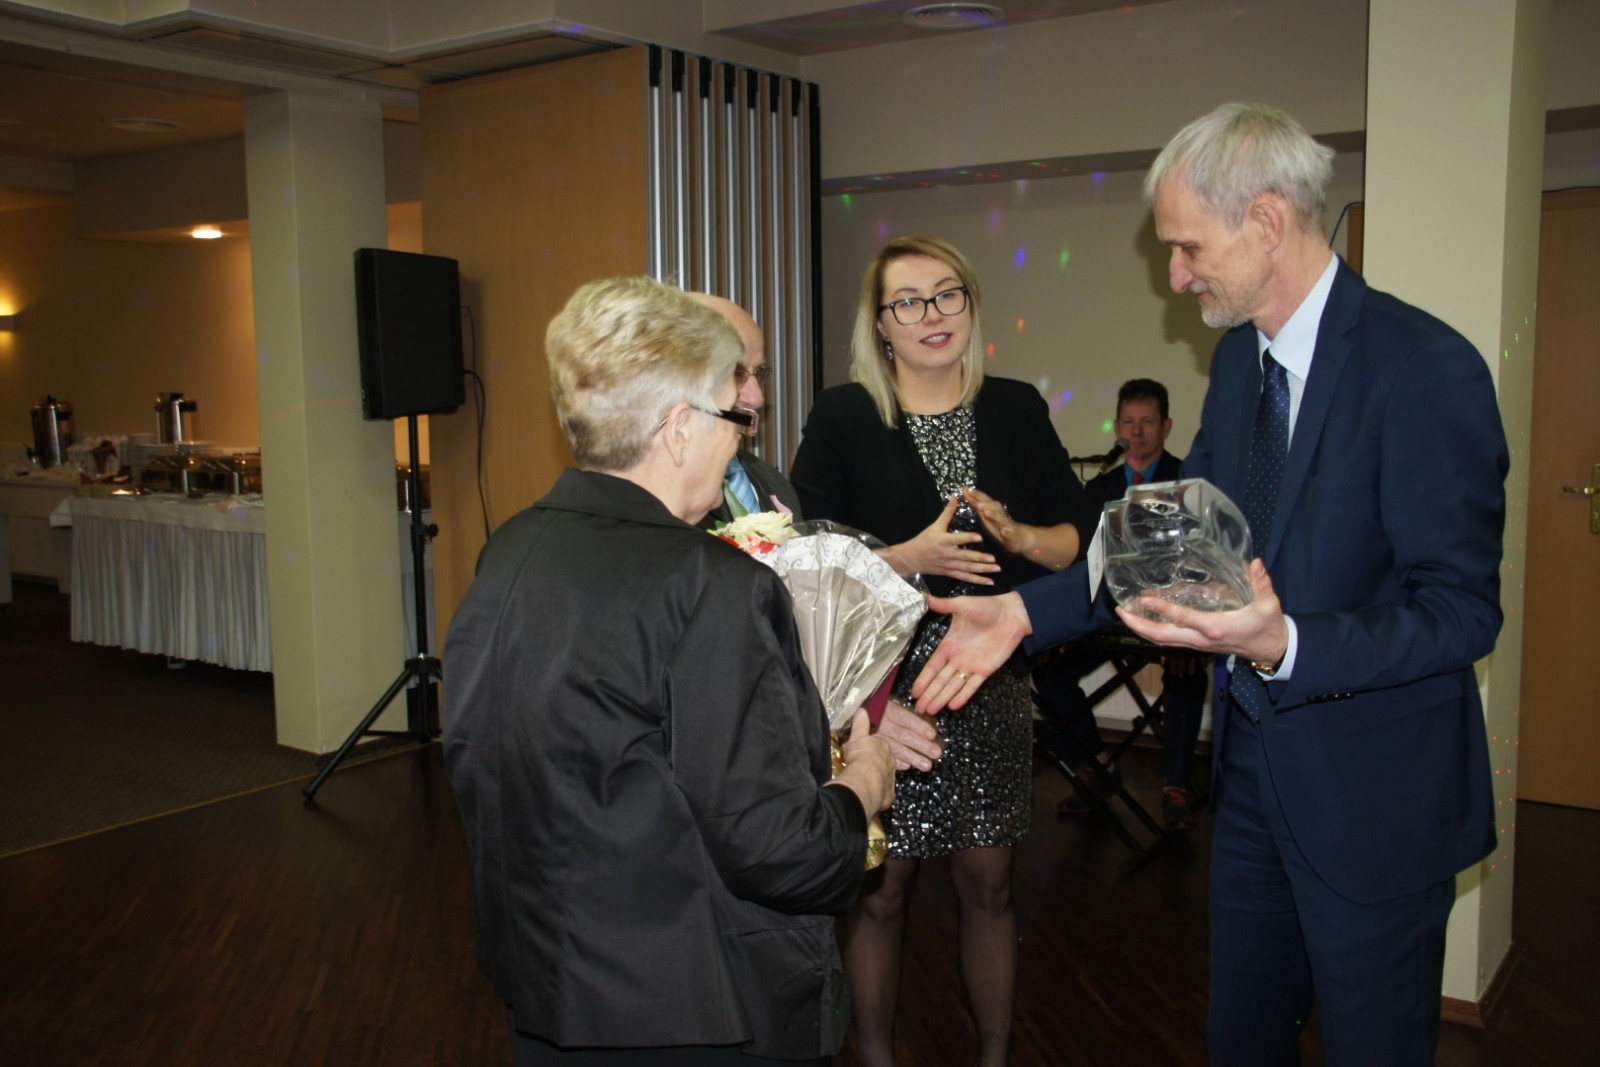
888,350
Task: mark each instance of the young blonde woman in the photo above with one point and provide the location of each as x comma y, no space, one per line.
965,478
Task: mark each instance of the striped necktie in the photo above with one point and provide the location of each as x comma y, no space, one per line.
737,488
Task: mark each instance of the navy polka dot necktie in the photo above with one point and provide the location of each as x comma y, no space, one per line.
1268,449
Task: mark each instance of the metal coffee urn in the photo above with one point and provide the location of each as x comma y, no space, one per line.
52,431
175,418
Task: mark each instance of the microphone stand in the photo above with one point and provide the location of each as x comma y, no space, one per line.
1105,460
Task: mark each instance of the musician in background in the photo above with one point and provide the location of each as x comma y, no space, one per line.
1144,423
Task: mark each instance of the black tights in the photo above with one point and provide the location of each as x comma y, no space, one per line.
875,948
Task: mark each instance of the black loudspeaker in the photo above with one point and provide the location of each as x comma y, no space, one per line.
408,320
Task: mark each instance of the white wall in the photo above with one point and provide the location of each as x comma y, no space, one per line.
1088,323
1074,286
1111,82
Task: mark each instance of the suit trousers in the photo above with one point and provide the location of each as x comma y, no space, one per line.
1281,939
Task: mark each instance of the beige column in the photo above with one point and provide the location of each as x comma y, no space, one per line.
315,168
1455,127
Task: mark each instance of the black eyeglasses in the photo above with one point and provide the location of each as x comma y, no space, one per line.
910,310
742,374
747,421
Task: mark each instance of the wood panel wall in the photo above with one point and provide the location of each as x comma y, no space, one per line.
535,181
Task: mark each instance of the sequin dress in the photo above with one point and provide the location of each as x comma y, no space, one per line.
978,793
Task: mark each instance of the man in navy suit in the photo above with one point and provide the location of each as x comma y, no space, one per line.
1351,770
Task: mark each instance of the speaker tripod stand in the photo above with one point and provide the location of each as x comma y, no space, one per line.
422,714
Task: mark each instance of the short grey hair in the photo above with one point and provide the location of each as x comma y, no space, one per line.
622,353
1239,151
869,363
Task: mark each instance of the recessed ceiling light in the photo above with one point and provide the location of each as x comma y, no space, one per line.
142,124
953,16
205,233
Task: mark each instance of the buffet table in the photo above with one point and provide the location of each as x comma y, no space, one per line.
26,502
165,574
187,579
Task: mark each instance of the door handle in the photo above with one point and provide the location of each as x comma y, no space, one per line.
1592,491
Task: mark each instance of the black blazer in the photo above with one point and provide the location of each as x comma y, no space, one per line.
853,469
638,751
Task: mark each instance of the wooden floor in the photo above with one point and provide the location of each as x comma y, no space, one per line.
259,931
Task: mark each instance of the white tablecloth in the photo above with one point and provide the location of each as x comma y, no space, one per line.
172,576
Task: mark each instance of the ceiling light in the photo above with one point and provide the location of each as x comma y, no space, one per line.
142,124
953,16
205,233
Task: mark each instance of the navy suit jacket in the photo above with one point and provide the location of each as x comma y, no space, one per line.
1385,549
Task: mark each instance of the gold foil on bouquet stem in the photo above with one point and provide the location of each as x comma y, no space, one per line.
877,836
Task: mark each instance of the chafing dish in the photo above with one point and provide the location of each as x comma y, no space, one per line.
194,473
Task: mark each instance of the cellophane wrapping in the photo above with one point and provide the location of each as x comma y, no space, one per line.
854,615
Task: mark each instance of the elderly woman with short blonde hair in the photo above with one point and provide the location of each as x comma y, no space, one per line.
639,753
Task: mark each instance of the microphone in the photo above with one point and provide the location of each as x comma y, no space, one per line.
1109,458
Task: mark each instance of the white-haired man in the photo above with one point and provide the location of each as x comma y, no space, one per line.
1351,772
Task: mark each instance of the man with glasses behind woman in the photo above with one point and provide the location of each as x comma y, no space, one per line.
897,453
750,483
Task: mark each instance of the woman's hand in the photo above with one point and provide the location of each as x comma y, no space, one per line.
936,550
912,738
1015,537
868,770
1048,546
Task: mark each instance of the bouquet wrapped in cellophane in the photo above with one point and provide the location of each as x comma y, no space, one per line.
854,615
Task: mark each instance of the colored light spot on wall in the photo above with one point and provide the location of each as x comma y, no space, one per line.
847,202
988,350
1066,257
994,221
1021,256
1098,176
1105,427
1020,323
